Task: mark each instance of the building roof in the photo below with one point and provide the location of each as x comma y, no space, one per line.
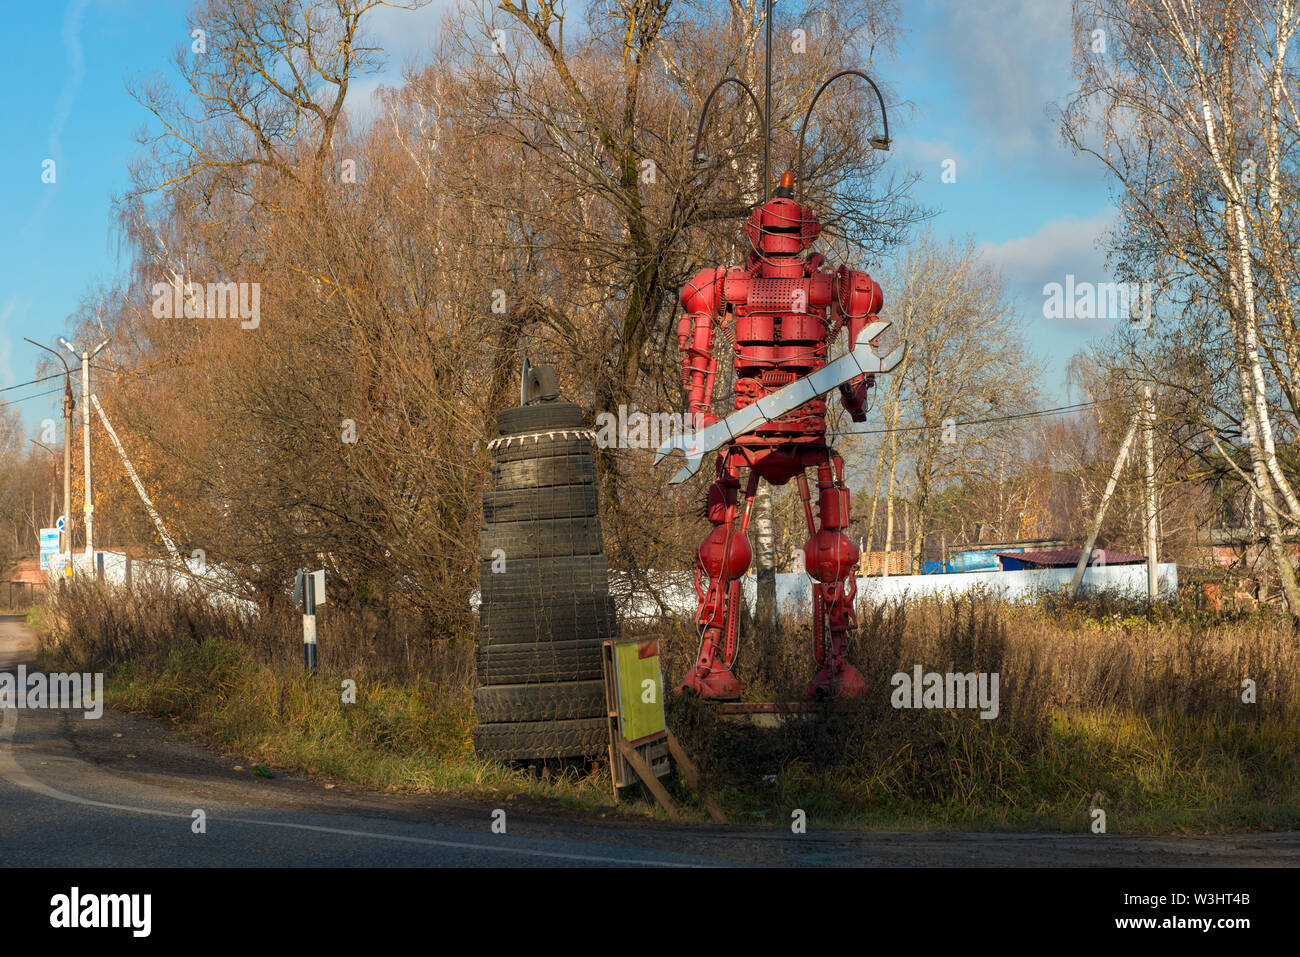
1069,557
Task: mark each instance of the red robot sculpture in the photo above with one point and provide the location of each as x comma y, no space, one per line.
784,308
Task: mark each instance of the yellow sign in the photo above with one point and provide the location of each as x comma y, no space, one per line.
640,690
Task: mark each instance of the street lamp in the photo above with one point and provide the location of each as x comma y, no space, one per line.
65,537
54,466
89,508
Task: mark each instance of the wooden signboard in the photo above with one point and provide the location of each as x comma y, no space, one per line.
641,748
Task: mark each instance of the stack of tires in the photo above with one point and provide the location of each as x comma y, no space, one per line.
544,585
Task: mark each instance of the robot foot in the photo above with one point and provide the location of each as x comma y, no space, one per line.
849,683
715,685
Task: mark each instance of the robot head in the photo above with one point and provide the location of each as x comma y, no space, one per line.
782,228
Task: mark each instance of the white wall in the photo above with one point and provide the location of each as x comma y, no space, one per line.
114,567
794,592
1128,581
215,582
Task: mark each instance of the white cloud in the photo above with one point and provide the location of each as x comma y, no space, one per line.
406,37
405,33
1010,59
361,104
1062,248
1068,245
71,34
927,155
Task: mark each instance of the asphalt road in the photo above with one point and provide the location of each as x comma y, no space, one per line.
121,792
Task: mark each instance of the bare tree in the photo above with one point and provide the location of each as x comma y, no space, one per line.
1179,101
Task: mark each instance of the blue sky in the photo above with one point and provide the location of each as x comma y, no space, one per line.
980,75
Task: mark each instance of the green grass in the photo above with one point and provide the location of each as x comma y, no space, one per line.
411,736
32,613
940,771
875,769
1140,716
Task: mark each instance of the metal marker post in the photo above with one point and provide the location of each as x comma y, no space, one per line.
304,596
309,622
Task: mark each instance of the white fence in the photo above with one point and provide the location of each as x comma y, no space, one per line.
1126,581
676,593
120,570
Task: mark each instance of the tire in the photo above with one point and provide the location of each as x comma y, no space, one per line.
539,417
541,383
544,473
541,702
578,501
538,662
542,445
551,598
548,624
525,577
545,538
542,739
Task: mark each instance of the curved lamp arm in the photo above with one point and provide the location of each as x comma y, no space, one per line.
877,142
57,355
758,111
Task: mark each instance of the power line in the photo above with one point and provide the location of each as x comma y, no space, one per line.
1059,410
28,398
119,370
10,388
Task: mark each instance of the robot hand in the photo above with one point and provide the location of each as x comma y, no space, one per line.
698,421
853,396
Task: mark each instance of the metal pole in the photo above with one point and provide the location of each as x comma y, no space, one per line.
139,487
1077,580
1149,493
66,543
767,100
309,621
65,537
89,508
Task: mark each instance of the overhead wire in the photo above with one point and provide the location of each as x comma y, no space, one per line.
28,398
1059,410
44,378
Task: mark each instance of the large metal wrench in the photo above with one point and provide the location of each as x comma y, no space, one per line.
857,361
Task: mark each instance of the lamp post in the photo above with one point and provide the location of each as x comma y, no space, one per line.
54,467
65,537
88,509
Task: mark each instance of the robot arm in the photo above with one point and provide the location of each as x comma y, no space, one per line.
701,299
857,300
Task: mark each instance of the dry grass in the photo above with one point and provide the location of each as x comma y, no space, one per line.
1099,704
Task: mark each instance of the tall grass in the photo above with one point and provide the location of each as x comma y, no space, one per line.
94,624
237,681
1101,704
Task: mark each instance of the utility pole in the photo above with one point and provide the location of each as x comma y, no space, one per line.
88,509
65,538
1149,493
139,486
1077,580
